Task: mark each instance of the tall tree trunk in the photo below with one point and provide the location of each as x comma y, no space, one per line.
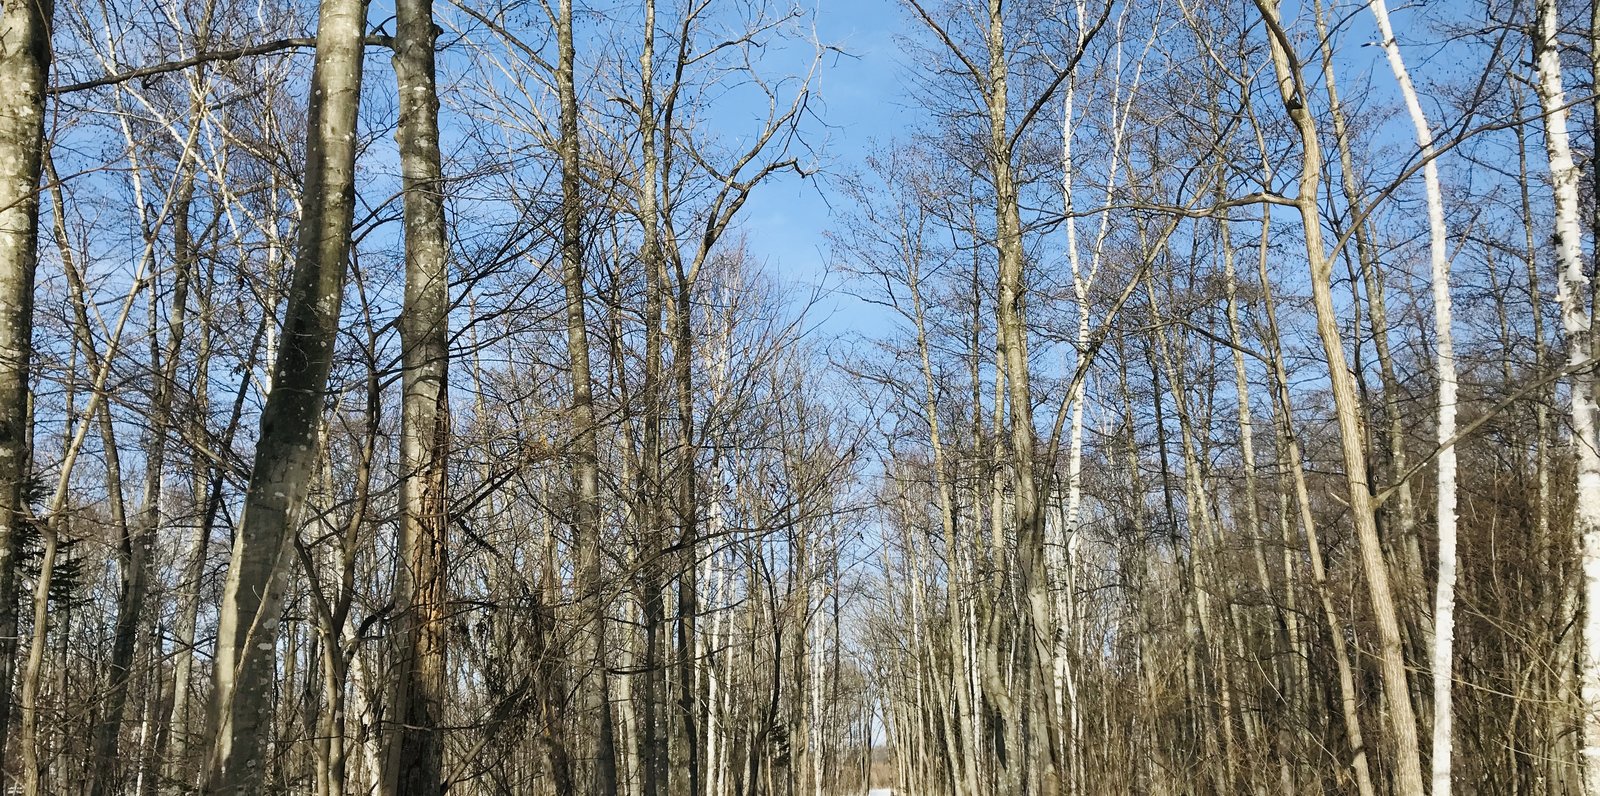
416,751
24,70
1572,291
207,488
1291,467
242,682
141,538
1559,597
655,772
1397,696
1445,493
1011,323
688,761
592,690
1403,540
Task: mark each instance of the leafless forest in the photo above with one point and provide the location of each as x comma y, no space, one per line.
1180,398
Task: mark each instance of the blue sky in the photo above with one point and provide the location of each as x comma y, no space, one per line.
862,105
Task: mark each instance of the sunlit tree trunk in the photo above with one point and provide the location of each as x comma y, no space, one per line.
240,713
590,590
1403,540
1444,353
1397,696
1011,325
24,70
416,752
1572,291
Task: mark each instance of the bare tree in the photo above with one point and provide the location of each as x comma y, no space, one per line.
240,717
415,763
24,70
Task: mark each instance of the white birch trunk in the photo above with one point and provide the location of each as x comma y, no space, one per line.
1445,509
363,709
1572,291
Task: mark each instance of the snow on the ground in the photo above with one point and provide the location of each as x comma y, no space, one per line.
880,792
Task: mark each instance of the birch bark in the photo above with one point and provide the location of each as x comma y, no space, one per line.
1572,290
1445,493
